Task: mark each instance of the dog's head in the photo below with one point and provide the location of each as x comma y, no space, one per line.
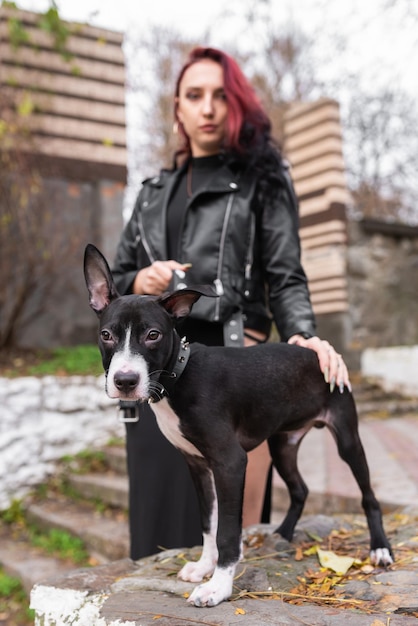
136,333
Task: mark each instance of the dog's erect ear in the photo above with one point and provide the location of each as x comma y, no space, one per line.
180,303
99,279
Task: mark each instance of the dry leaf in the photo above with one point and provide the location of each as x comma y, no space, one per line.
377,622
338,564
299,554
239,611
367,569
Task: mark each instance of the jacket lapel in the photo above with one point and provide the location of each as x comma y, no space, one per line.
154,213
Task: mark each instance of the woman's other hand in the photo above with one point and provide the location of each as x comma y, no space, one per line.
331,363
154,279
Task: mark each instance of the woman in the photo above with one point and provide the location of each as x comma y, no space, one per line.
225,215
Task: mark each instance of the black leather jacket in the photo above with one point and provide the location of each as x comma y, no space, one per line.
247,248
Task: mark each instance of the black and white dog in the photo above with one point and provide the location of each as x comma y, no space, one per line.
217,403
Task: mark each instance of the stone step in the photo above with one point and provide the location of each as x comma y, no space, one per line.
386,407
109,488
369,387
21,560
115,457
105,534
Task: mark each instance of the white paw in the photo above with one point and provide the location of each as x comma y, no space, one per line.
195,571
381,557
210,594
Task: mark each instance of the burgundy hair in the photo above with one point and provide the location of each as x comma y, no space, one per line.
247,121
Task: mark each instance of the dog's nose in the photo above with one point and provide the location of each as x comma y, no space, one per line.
126,381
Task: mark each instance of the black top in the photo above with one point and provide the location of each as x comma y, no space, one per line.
196,174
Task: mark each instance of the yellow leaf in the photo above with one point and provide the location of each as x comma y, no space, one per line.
377,622
239,611
157,617
338,564
186,595
310,551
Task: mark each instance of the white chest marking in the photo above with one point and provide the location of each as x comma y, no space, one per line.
168,423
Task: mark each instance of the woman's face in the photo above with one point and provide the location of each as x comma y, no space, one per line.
202,108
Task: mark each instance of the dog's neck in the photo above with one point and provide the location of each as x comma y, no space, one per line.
169,377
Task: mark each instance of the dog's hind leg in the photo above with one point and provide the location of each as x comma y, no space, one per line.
195,571
343,424
284,450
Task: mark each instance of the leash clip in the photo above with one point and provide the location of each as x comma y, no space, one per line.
128,412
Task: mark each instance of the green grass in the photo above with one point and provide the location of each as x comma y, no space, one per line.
85,462
82,360
14,514
55,542
61,544
14,603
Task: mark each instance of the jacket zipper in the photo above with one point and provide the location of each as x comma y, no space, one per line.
218,281
143,238
250,252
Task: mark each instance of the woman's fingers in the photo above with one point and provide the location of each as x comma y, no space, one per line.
330,361
155,278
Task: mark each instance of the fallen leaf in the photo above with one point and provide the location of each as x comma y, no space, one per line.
314,536
377,622
239,611
330,560
299,554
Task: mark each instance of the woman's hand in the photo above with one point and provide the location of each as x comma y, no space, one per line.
331,363
155,279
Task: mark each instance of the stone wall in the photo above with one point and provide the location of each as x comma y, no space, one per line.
43,419
89,212
394,369
383,284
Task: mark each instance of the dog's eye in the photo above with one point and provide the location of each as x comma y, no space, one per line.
105,335
153,335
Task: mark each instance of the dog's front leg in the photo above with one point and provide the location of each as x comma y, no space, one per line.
229,474
195,571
